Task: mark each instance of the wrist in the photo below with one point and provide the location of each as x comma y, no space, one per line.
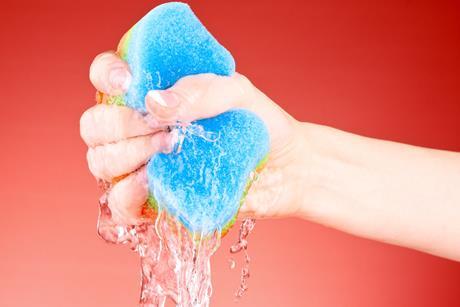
321,169
302,170
335,180
296,165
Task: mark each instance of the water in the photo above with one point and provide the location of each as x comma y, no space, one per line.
174,263
242,245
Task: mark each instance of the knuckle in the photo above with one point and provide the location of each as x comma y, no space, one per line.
101,57
244,83
248,92
93,165
98,59
86,121
243,80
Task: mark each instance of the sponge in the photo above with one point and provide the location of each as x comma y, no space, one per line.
204,183
167,44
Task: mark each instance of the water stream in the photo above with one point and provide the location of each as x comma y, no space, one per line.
175,264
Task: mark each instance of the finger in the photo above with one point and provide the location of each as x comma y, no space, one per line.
103,124
127,197
110,74
199,96
116,159
207,95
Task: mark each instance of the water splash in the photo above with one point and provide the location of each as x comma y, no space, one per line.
174,263
242,245
182,130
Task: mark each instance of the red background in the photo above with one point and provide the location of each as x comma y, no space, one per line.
387,69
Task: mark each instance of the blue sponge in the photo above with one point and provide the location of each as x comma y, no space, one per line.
167,44
204,184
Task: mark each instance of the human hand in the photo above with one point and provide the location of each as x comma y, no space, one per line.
121,140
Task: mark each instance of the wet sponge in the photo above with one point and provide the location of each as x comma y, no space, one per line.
167,44
204,183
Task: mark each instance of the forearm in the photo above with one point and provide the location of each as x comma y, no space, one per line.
391,192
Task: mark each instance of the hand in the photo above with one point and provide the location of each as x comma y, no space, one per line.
121,140
395,193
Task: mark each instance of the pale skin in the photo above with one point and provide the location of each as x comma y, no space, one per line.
386,191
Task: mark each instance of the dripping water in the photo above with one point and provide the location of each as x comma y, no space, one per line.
174,263
242,246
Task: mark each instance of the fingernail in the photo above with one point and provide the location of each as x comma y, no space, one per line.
168,143
164,98
120,79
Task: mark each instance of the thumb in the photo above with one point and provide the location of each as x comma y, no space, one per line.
200,96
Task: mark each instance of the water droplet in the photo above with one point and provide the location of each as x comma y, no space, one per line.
242,245
232,263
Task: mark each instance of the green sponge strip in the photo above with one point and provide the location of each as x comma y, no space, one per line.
116,100
123,49
152,203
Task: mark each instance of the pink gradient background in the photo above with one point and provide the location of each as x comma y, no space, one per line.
387,69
